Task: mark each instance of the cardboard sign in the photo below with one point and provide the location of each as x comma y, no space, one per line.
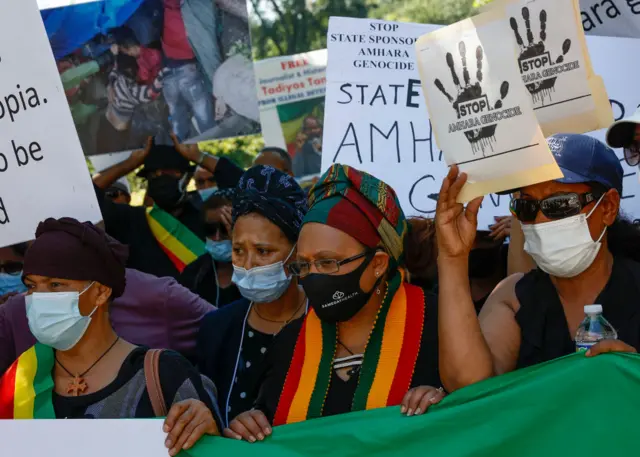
42,170
105,438
290,89
555,65
485,121
376,118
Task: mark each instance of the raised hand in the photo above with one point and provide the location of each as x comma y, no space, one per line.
140,155
456,224
188,151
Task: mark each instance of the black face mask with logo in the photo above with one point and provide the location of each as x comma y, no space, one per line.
337,298
166,191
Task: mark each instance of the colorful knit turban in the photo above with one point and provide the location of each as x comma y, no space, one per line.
361,206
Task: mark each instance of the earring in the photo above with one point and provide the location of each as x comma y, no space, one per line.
377,274
378,291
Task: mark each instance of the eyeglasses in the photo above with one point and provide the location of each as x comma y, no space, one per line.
113,193
632,155
556,206
326,266
12,268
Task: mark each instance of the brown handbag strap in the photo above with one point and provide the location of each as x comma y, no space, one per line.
152,377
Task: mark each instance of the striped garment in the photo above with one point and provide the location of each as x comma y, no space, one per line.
128,94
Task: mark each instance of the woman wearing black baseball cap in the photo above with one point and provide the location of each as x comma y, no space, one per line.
532,318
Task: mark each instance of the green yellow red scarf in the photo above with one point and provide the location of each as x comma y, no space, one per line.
180,244
26,388
387,369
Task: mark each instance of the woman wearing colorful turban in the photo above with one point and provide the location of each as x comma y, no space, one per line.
80,368
370,339
268,209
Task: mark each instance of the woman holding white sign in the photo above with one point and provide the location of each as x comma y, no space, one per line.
80,368
572,231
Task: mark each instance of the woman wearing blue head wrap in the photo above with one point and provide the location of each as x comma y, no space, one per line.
268,209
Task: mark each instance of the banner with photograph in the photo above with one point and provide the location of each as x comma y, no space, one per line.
137,68
42,170
291,96
376,120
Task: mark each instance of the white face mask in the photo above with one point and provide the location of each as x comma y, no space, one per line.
55,319
262,284
562,248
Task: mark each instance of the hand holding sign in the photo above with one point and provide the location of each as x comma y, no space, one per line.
456,224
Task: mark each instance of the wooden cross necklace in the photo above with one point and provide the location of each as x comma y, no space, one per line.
79,385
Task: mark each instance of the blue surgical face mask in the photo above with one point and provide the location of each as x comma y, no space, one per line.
55,319
219,250
11,283
206,193
262,284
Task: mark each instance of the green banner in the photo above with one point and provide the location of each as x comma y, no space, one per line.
572,406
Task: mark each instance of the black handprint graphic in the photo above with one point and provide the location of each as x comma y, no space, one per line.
470,99
534,56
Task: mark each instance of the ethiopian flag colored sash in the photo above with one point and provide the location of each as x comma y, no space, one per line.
388,365
177,241
26,388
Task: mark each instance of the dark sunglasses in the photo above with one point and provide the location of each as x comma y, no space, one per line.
113,193
556,206
12,268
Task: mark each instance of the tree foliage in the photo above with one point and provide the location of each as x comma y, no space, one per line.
285,27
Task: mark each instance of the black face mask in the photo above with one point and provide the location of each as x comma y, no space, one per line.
484,263
337,298
166,191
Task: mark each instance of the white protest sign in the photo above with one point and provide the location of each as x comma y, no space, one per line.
376,119
616,18
285,80
49,4
555,66
43,172
485,122
621,79
95,437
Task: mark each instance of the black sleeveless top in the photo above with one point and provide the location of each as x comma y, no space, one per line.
543,325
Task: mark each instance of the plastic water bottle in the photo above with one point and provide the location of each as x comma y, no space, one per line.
593,328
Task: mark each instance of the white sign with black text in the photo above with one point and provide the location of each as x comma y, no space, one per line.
43,172
376,119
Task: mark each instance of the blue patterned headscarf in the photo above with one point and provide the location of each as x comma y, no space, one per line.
274,195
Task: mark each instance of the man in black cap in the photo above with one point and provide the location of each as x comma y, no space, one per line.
167,173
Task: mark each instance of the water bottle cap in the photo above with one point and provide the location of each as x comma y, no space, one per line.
593,309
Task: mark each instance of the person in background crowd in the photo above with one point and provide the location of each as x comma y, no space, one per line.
185,88
308,161
210,275
205,183
573,231
268,209
119,192
351,265
73,271
226,173
139,316
487,267
625,134
11,264
421,254
167,174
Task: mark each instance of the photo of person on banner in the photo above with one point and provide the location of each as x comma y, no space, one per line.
138,68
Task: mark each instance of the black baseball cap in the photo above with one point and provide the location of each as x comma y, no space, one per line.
163,157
